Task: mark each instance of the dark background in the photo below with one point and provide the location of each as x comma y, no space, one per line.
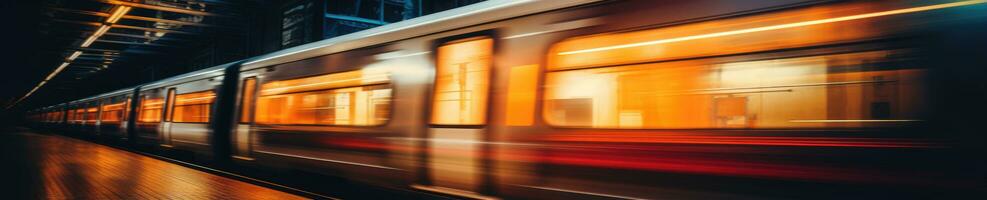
39,34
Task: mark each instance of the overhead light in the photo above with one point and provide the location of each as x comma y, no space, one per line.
117,14
57,70
89,41
92,38
102,30
74,55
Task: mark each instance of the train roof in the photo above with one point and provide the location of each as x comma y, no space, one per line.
479,13
104,95
195,75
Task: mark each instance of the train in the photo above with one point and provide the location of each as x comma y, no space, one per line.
590,99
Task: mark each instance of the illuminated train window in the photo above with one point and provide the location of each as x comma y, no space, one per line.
817,91
91,114
354,98
192,107
629,79
112,112
462,78
150,109
76,115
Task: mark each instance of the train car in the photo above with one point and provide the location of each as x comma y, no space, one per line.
81,117
622,99
52,116
89,112
603,99
177,113
114,108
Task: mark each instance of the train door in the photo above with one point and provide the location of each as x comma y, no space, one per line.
165,130
241,138
457,125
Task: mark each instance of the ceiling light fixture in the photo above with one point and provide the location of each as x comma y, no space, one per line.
117,14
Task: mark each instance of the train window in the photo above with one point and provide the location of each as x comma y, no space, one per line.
150,109
354,98
247,100
462,79
652,78
112,112
58,116
192,107
92,114
863,89
78,114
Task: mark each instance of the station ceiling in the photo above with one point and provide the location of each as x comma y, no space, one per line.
60,49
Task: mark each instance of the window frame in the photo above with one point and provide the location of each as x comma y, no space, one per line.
169,103
248,103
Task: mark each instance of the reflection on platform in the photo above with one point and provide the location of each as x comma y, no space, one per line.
56,167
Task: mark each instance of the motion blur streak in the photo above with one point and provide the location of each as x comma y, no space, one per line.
747,140
701,99
782,26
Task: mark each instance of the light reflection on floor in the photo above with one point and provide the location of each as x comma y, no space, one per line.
56,167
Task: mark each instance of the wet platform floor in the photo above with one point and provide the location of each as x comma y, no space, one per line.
42,166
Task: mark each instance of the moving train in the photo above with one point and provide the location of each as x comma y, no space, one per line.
621,99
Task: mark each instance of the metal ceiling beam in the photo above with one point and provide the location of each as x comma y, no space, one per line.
162,8
77,63
142,37
83,66
215,2
77,22
92,58
132,43
95,49
100,55
134,17
168,21
123,26
151,29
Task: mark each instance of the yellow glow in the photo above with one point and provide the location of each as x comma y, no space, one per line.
117,14
112,112
150,110
74,55
462,79
52,75
521,89
192,107
91,114
92,38
359,98
839,90
334,80
777,27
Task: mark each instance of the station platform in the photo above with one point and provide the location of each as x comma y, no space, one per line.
45,166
